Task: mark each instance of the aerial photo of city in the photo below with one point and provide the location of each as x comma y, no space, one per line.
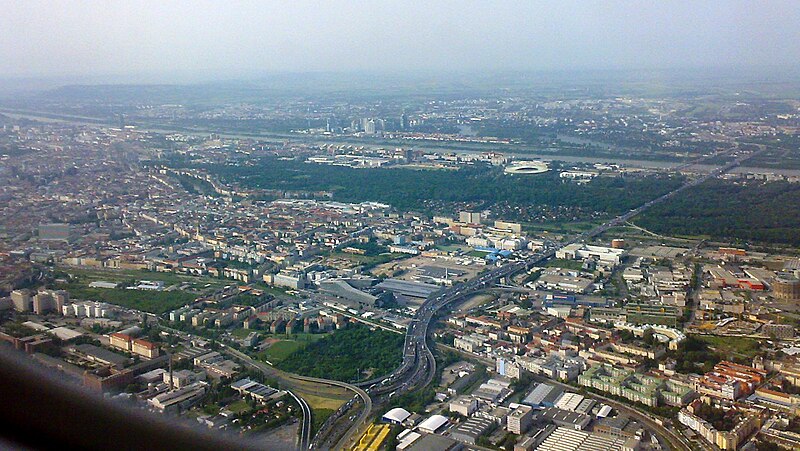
534,226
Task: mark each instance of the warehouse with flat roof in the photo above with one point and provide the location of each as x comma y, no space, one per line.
543,395
433,424
408,288
469,431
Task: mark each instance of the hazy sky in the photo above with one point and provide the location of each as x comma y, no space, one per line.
239,39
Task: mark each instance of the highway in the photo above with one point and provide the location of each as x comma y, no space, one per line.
419,366
304,437
305,427
306,440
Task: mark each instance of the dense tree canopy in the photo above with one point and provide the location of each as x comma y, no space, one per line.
409,189
753,211
348,355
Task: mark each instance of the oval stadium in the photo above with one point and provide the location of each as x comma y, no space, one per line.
527,167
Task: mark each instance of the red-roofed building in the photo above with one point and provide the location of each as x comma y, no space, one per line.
145,348
751,284
120,341
731,381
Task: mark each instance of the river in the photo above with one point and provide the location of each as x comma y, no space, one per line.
528,155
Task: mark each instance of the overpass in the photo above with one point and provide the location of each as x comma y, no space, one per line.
418,366
306,441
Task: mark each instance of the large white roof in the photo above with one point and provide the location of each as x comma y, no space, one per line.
604,411
433,423
65,334
397,414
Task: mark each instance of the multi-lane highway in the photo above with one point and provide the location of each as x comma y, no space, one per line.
322,439
305,438
418,366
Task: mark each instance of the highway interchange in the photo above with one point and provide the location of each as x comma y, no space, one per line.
419,366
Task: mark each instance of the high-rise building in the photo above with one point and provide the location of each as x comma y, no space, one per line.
404,122
369,127
469,217
60,299
520,419
43,302
23,300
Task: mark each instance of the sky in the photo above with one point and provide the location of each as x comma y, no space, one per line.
176,39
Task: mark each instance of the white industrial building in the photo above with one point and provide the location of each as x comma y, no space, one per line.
396,416
579,251
433,424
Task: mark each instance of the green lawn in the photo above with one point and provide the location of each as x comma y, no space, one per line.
157,302
88,275
238,406
452,247
275,291
565,264
318,417
281,350
732,346
148,301
241,333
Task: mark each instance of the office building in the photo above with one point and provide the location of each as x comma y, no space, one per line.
257,391
433,424
179,399
182,378
469,431
144,348
543,395
565,418
606,256
120,341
